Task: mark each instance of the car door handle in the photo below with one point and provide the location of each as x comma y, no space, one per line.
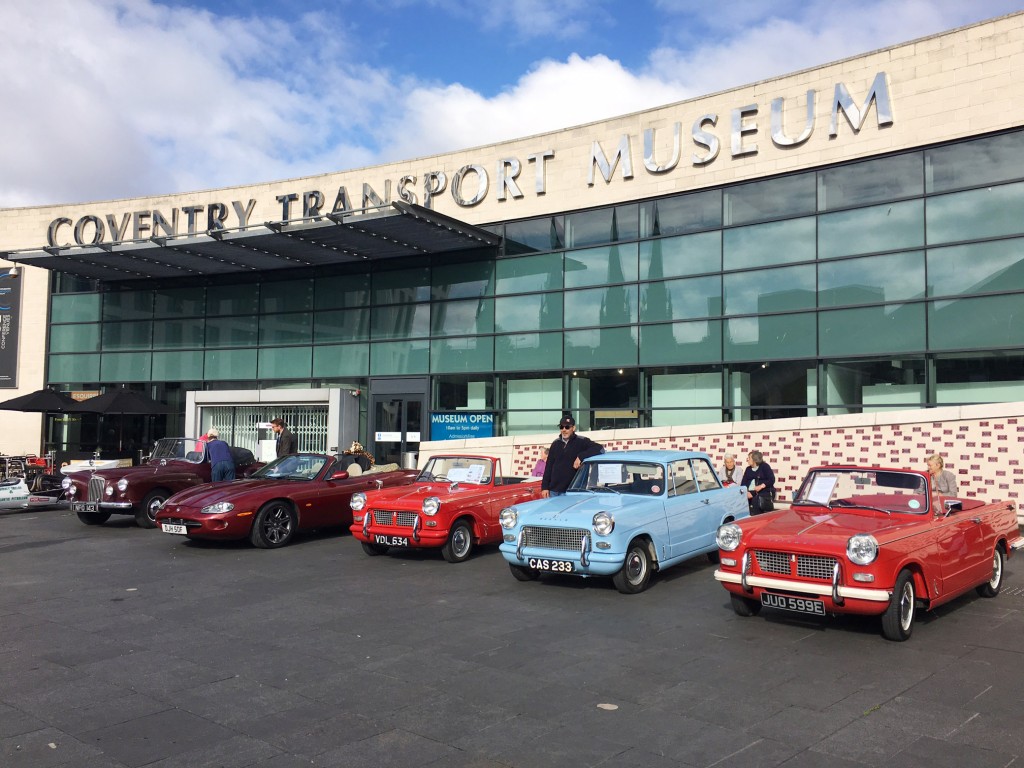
976,520
705,501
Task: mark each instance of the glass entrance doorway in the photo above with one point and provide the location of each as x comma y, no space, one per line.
396,421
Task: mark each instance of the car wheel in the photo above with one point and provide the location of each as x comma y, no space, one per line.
898,619
459,544
744,606
274,526
635,574
991,587
146,516
373,550
523,573
94,518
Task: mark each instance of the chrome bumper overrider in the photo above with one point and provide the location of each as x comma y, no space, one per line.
786,585
1017,543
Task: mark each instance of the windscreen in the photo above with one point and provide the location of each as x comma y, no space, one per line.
295,467
631,477
182,448
890,491
457,469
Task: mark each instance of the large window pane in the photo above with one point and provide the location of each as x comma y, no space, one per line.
342,291
976,268
691,396
285,363
682,214
590,228
179,302
455,393
337,360
770,199
973,378
119,336
462,354
178,334
871,330
126,366
177,366
678,256
451,318
75,308
404,321
128,305
681,343
972,163
779,242
879,228
601,266
342,325
601,348
395,358
233,300
229,364
989,212
232,332
532,312
870,280
286,296
774,337
401,286
543,234
74,368
290,328
777,390
605,399
528,352
853,386
681,299
616,305
529,273
463,281
984,323
886,178
769,290
84,337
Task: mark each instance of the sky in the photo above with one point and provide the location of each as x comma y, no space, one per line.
111,99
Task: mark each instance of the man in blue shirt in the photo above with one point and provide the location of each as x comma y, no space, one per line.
221,463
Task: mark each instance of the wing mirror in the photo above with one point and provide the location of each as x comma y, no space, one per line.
341,474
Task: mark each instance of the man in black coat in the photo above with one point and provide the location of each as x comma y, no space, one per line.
564,458
285,440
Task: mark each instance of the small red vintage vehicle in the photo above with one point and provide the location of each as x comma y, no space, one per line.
867,541
454,504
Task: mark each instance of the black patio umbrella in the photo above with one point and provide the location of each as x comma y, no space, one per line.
41,401
122,402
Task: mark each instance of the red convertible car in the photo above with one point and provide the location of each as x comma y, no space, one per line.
293,493
454,504
867,541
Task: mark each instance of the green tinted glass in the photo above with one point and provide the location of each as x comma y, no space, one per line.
870,280
450,318
601,348
871,330
615,305
462,354
121,336
976,323
680,214
126,366
228,364
681,299
176,334
989,212
976,268
532,312
872,181
342,325
699,341
285,363
395,358
463,281
769,290
179,302
286,296
398,322
679,256
233,300
780,242
401,286
973,163
772,337
128,305
177,366
75,308
232,332
288,328
528,352
342,291
886,227
338,360
601,266
75,338
74,367
529,273
770,199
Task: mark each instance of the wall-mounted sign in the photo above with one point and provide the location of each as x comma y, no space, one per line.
461,425
10,314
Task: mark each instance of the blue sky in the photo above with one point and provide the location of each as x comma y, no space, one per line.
110,99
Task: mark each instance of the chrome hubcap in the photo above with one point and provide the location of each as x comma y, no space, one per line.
997,570
906,606
460,542
635,567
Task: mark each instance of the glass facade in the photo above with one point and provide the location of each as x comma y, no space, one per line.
893,282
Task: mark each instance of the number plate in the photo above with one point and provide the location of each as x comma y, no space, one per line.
795,604
558,566
85,506
168,528
390,541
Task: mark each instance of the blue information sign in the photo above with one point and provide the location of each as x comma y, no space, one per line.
461,425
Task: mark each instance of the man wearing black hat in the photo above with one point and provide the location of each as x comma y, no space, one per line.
564,458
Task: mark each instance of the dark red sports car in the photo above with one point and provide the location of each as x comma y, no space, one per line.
293,493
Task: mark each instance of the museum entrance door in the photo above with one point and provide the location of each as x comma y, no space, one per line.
398,411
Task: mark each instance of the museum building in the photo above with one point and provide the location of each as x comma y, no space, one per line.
847,239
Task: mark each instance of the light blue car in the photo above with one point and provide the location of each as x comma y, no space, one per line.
625,515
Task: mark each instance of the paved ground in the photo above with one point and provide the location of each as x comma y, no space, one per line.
126,647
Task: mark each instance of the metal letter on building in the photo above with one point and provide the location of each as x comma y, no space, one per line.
597,157
677,140
10,313
779,137
879,93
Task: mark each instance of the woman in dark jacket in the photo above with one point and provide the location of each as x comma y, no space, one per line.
759,481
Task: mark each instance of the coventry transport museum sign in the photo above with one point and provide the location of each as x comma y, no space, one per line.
472,183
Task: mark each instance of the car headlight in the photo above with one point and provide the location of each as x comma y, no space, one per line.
862,549
122,484
109,490
66,483
508,517
358,501
430,505
218,509
728,537
603,523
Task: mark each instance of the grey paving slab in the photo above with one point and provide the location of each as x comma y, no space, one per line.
123,647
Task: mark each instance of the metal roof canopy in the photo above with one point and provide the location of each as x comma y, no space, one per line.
400,229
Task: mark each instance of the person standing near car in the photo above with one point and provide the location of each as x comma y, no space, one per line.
943,480
759,481
731,471
564,457
285,439
222,464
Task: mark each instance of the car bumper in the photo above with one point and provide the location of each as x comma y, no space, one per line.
234,526
400,536
598,563
105,506
837,599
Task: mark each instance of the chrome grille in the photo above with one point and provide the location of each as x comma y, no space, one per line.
772,562
96,486
815,567
568,539
181,521
807,566
391,517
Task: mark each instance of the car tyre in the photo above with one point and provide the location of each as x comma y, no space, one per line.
460,543
898,619
274,526
991,587
744,606
373,550
635,574
94,518
522,573
146,515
